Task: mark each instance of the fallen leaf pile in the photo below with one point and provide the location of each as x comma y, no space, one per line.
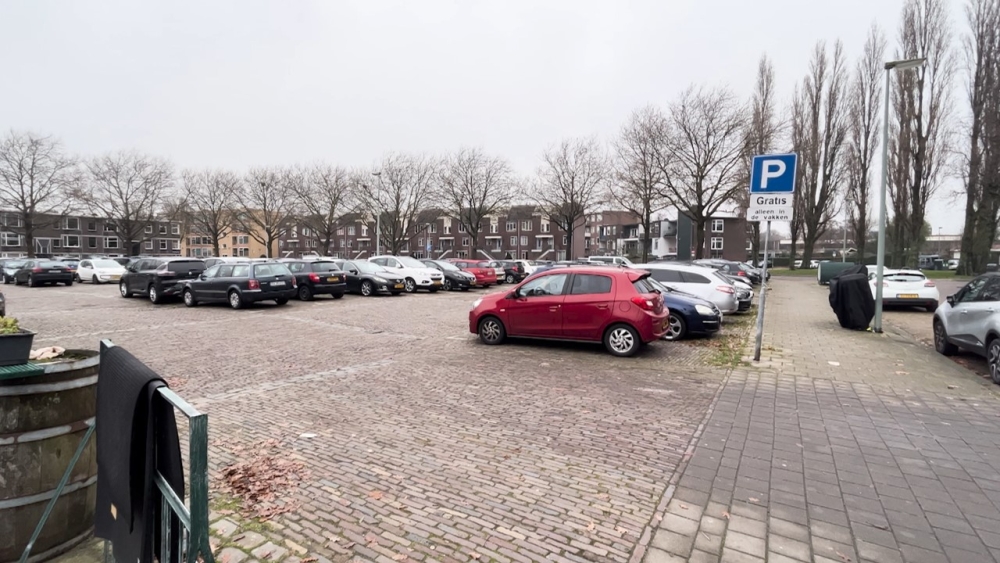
258,480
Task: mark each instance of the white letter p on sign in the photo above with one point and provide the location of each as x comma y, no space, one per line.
770,169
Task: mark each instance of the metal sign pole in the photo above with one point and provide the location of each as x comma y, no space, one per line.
762,299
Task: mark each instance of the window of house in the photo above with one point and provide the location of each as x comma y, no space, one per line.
91,242
465,241
148,230
350,230
565,240
586,242
11,239
149,245
242,239
494,228
718,225
434,228
175,245
513,241
163,229
364,230
524,241
546,227
461,254
56,243
525,225
461,227
71,241
163,245
109,228
175,229
343,243
241,252
91,226
305,231
11,220
716,243
340,231
110,242
511,226
538,243
447,229
72,224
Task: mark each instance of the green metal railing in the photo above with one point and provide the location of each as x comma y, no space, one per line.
193,540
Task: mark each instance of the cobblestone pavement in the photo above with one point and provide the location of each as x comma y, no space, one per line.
418,442
840,446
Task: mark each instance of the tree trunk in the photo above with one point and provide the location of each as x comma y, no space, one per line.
29,234
755,243
215,247
699,240
646,240
569,242
807,250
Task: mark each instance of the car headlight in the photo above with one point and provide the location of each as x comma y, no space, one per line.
704,310
380,280
477,302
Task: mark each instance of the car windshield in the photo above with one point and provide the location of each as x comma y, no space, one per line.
13,264
448,266
325,267
368,267
483,265
410,262
106,264
642,285
50,264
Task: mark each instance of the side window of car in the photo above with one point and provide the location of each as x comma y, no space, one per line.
589,284
972,290
211,272
691,277
224,271
239,271
379,261
297,267
544,285
85,264
991,291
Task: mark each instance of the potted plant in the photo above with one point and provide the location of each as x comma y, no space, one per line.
15,342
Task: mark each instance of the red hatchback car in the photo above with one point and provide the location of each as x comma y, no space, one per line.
485,275
616,306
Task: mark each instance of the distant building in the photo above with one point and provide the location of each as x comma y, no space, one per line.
725,236
81,236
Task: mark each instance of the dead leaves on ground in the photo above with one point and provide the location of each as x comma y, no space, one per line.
258,481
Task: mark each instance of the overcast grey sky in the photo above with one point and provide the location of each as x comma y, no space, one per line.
241,83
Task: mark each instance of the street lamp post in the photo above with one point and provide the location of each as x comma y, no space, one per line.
880,264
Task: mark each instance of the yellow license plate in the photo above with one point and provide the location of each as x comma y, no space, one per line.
333,279
473,282
116,277
399,286
907,296
437,282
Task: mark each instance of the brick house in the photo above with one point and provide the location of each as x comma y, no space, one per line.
81,235
725,236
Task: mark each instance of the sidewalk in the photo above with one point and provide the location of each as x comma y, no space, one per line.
839,447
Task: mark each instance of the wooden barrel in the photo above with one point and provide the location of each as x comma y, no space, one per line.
43,417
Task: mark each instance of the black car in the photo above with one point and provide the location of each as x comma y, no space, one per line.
209,262
368,278
513,271
689,314
241,284
318,277
9,267
159,278
41,272
454,277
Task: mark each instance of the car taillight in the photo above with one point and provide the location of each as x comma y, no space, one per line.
295,282
254,284
314,277
646,303
929,284
726,289
741,273
165,274
36,269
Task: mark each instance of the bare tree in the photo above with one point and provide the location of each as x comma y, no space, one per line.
819,129
398,189
864,107
209,199
703,154
323,194
761,137
473,186
638,180
922,136
37,180
127,190
982,202
571,181
267,199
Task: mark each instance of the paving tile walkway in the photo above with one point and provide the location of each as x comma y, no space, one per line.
839,447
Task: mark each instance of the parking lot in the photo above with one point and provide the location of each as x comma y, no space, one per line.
415,437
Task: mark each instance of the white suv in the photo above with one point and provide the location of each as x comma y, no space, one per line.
415,273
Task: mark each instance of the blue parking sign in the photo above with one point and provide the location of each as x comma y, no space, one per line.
773,174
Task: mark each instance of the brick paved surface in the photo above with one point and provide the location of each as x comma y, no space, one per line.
419,443
840,447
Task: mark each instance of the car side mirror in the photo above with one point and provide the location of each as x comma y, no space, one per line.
202,277
353,272
951,300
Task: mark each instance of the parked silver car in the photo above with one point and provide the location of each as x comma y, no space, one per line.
707,283
970,320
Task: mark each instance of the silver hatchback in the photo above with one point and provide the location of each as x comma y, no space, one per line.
970,320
